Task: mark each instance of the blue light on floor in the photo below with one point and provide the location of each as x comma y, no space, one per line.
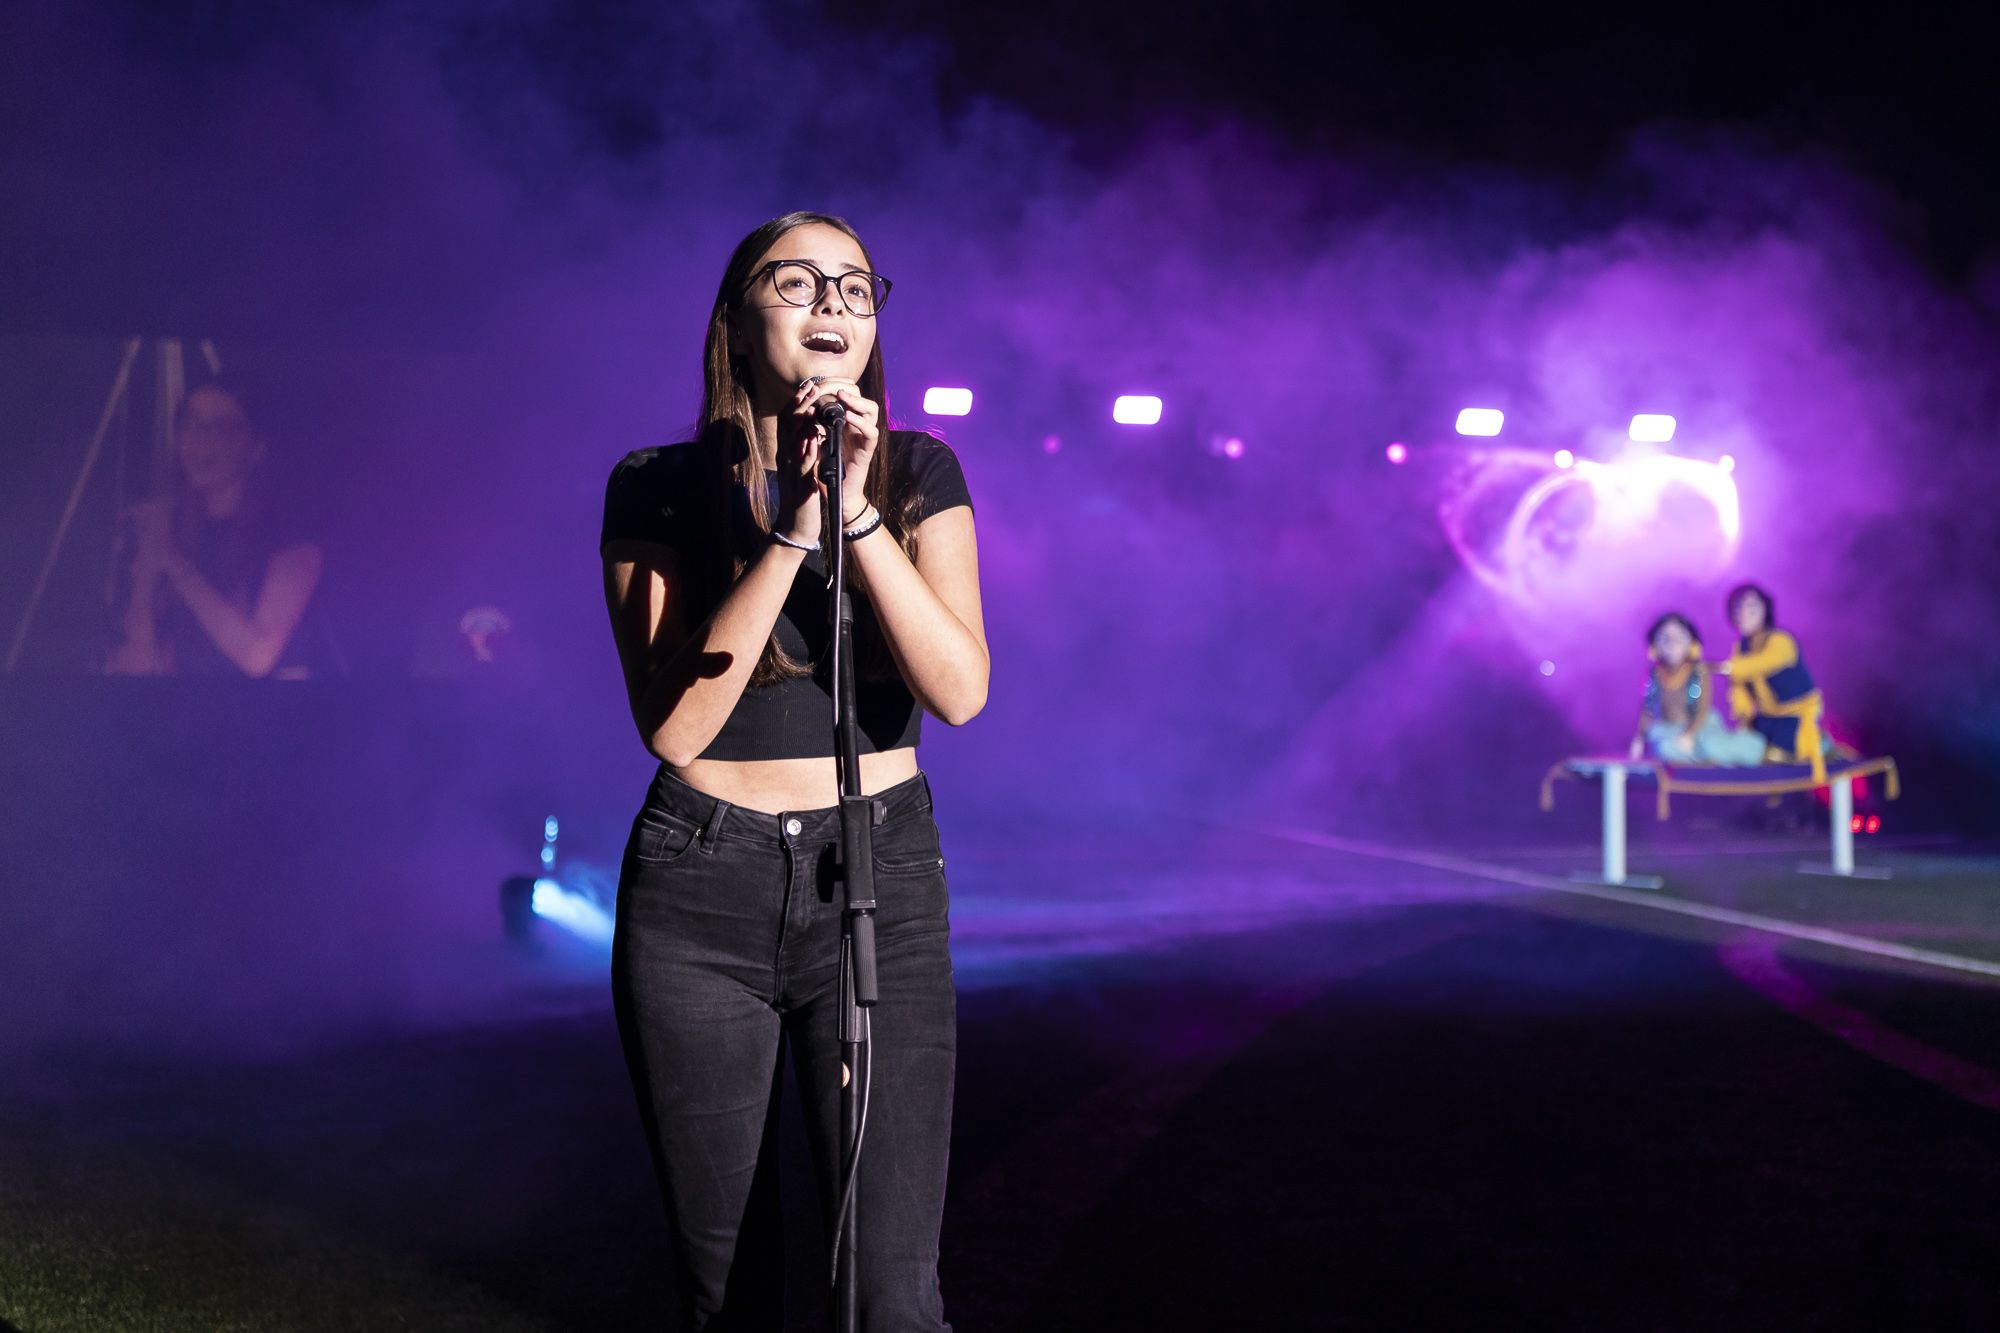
578,913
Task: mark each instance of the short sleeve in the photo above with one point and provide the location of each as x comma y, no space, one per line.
1780,650
639,501
936,477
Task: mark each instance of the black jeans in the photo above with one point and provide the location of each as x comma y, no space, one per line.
728,940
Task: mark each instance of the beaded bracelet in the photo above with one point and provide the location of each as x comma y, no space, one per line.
782,540
856,534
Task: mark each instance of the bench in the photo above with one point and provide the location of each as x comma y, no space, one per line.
1708,780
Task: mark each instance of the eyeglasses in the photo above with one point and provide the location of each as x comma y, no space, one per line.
799,283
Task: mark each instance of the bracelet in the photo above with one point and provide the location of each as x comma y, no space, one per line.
856,534
782,540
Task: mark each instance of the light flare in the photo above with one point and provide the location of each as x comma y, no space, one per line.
1543,535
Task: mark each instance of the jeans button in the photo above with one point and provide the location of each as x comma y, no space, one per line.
792,826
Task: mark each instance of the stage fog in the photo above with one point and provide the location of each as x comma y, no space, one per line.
462,276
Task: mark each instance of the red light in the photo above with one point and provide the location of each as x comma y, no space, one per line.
1874,823
1854,824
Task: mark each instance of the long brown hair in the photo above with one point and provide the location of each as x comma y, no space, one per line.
728,425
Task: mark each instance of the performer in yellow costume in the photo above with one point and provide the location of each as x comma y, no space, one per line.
1770,689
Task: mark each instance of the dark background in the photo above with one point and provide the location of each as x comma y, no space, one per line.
464,255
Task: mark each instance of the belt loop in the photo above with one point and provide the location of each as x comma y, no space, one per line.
712,825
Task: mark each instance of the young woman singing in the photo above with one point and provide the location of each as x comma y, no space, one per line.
727,948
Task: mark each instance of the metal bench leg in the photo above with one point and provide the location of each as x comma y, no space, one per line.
1842,827
1613,869
1614,825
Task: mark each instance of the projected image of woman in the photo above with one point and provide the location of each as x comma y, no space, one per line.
221,581
728,933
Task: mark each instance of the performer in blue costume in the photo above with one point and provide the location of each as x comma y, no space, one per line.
1677,721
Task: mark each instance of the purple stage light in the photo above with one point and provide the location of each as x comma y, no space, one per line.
1232,447
1136,409
1480,421
1051,444
940,402
1652,428
1726,464
1548,668
1564,458
1398,452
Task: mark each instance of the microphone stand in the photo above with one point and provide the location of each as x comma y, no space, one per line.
855,871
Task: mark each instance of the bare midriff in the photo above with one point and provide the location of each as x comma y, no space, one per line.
775,785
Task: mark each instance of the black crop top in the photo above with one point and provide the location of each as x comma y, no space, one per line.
654,495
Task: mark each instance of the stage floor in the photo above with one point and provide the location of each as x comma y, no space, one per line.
1210,1078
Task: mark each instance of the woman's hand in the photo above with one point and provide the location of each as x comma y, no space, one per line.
153,552
153,556
799,490
1683,744
858,441
153,542
802,438
1637,749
